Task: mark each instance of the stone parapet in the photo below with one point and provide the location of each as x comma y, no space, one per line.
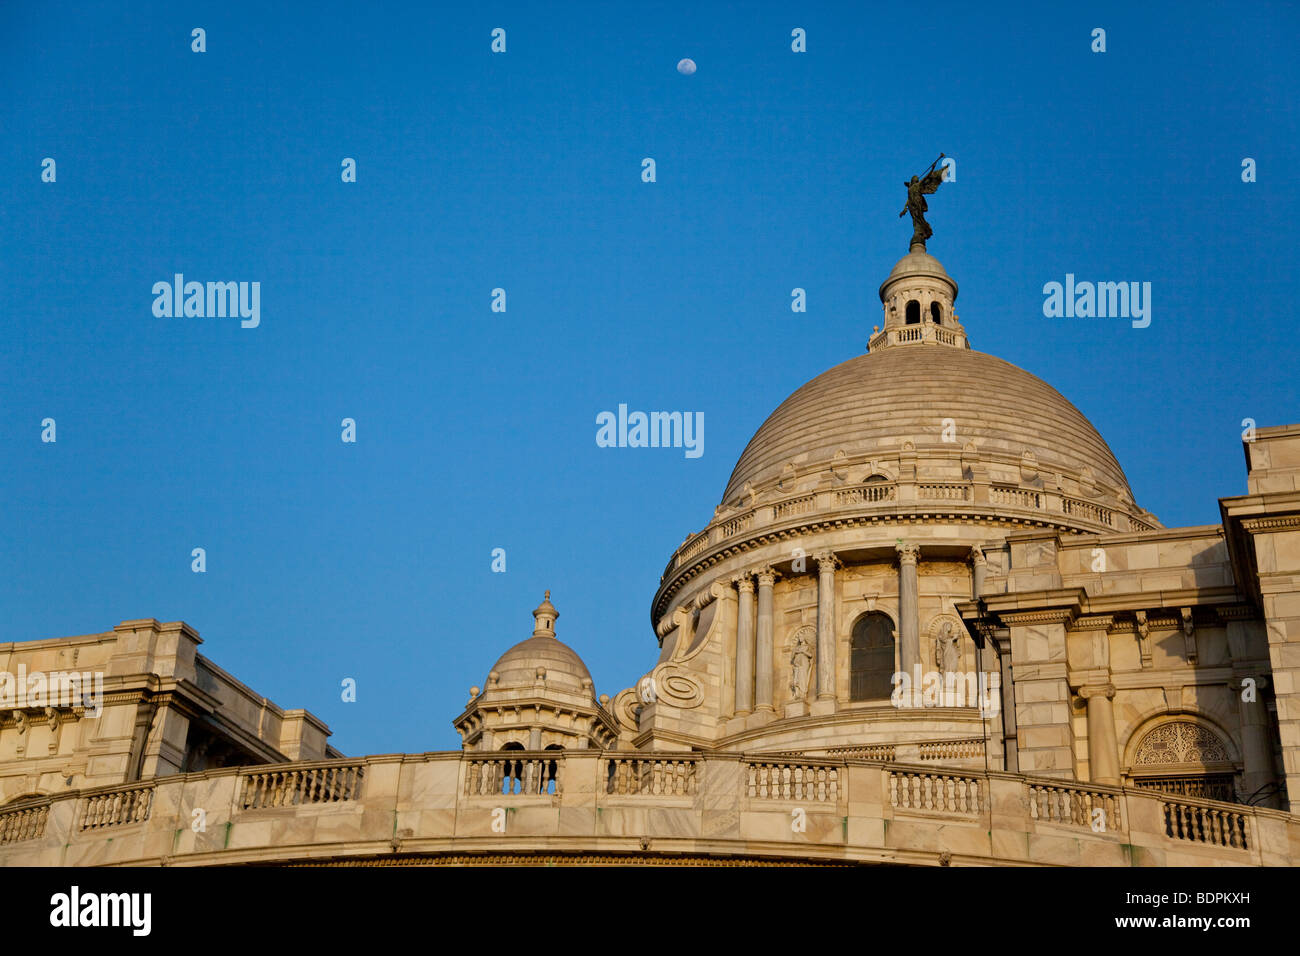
746,806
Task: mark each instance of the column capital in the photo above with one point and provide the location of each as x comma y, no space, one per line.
826,561
977,557
1088,691
1241,672
909,552
744,581
766,577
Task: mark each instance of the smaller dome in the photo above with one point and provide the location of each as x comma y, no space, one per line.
918,263
559,665
518,666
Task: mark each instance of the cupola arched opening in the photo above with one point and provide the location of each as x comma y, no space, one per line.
936,313
913,312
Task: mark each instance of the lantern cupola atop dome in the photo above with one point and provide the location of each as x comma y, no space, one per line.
918,298
544,618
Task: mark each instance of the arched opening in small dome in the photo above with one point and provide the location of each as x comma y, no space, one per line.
512,772
871,659
936,313
551,772
913,312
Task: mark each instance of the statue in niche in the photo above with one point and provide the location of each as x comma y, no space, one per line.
801,656
946,656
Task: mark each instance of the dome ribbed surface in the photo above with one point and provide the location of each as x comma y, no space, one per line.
919,263
517,667
873,403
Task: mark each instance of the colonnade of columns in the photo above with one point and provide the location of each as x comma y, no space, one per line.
755,629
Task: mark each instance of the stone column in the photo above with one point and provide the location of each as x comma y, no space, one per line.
763,658
988,655
1010,736
909,627
1103,748
745,645
1256,743
825,625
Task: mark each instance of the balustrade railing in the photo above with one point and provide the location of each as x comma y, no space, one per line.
699,544
117,808
287,788
737,525
1210,825
1086,510
944,491
23,823
672,776
1019,497
885,753
795,506
940,792
866,494
952,749
1074,805
797,780
509,773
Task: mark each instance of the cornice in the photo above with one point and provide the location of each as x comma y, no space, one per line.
1043,616
1270,524
921,514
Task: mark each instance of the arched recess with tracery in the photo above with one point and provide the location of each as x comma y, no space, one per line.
1184,755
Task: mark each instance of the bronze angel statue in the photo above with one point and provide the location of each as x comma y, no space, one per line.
917,189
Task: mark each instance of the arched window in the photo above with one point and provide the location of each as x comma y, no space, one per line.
871,661
511,773
1186,758
913,312
936,313
551,772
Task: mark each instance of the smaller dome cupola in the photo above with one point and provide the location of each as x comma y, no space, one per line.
538,695
544,618
918,298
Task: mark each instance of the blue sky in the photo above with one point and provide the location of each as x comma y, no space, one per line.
522,171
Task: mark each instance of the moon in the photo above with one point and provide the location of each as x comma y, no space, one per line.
686,66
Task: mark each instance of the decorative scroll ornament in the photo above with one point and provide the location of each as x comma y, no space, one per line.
627,708
676,688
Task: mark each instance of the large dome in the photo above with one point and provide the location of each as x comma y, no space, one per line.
871,405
